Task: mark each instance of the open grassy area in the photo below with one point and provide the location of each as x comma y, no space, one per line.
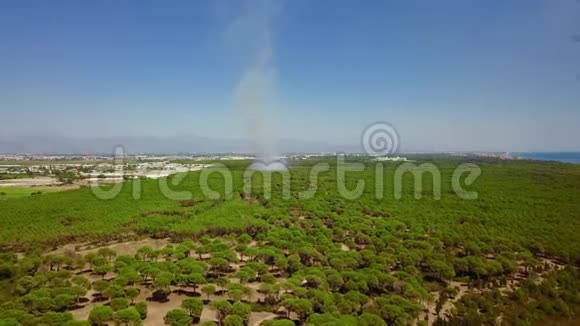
18,192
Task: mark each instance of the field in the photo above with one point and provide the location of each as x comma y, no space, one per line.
509,256
6,176
17,192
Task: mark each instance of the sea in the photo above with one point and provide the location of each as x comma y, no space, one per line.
566,157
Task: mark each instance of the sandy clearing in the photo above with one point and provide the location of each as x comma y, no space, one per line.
207,314
255,295
121,248
29,182
158,310
256,318
83,313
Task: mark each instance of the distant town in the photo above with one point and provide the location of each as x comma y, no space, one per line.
71,171
53,170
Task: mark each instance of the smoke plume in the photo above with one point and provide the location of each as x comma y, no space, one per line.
255,91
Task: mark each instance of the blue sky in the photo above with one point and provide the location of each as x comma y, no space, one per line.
449,75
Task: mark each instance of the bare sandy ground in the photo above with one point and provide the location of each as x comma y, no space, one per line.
83,313
256,318
158,310
29,182
208,314
50,183
449,304
121,248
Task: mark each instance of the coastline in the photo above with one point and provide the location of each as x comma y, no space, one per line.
563,157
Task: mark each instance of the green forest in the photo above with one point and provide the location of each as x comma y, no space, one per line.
508,257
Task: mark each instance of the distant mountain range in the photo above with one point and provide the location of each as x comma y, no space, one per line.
51,144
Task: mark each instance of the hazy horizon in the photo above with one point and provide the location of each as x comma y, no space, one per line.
193,144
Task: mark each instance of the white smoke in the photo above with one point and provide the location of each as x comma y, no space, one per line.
255,91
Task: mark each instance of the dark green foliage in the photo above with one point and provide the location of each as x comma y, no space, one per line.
127,316
100,315
141,308
233,320
177,317
119,304
193,306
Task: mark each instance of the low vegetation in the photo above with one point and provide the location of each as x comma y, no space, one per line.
510,256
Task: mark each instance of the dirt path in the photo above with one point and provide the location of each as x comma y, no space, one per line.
449,304
511,285
256,318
